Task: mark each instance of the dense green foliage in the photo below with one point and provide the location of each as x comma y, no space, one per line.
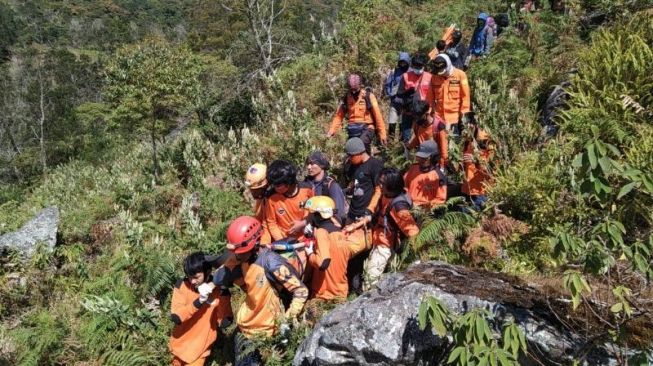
86,87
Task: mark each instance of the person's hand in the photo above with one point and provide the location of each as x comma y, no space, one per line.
329,134
384,141
297,227
205,290
309,248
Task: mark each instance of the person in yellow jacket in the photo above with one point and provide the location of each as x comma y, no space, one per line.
452,97
362,111
265,277
256,182
198,309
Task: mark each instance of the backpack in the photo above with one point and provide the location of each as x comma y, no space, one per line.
502,20
329,182
388,222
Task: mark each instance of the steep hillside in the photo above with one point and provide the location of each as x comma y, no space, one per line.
84,95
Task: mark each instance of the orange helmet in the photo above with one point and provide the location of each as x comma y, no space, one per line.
256,176
243,234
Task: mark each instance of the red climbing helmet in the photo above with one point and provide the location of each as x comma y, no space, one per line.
243,234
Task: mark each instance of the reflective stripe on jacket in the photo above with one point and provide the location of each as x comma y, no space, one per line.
452,96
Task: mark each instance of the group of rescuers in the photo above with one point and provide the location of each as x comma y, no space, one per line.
316,240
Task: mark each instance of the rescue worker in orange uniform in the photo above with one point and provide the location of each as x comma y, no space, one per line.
283,213
362,111
415,85
425,180
257,183
197,309
391,222
429,127
478,152
267,280
330,252
452,97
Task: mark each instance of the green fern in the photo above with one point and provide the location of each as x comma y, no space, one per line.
128,353
436,224
39,339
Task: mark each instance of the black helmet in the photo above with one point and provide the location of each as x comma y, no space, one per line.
457,36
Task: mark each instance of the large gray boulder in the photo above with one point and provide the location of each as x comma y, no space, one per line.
380,327
40,229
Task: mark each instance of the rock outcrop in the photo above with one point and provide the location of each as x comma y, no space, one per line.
41,229
380,327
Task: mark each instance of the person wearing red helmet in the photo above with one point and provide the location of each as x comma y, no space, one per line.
265,277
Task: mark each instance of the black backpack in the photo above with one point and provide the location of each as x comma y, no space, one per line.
502,20
329,182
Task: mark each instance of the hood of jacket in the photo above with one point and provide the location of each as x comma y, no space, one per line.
404,56
483,16
449,69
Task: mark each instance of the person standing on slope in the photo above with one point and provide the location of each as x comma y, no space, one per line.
425,180
391,88
452,97
362,111
257,183
266,278
198,309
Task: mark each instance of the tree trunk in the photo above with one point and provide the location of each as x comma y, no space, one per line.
44,165
155,160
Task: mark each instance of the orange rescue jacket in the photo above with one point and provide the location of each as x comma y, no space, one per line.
196,324
263,278
392,218
259,213
329,262
477,176
452,96
426,189
357,111
281,211
435,130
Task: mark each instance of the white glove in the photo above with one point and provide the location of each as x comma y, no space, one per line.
308,230
205,290
309,249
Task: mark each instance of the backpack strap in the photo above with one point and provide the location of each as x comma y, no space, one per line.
441,176
368,102
402,201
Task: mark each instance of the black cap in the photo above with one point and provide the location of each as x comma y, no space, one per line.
427,149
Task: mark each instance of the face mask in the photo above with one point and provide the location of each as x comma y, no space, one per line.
403,68
418,71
